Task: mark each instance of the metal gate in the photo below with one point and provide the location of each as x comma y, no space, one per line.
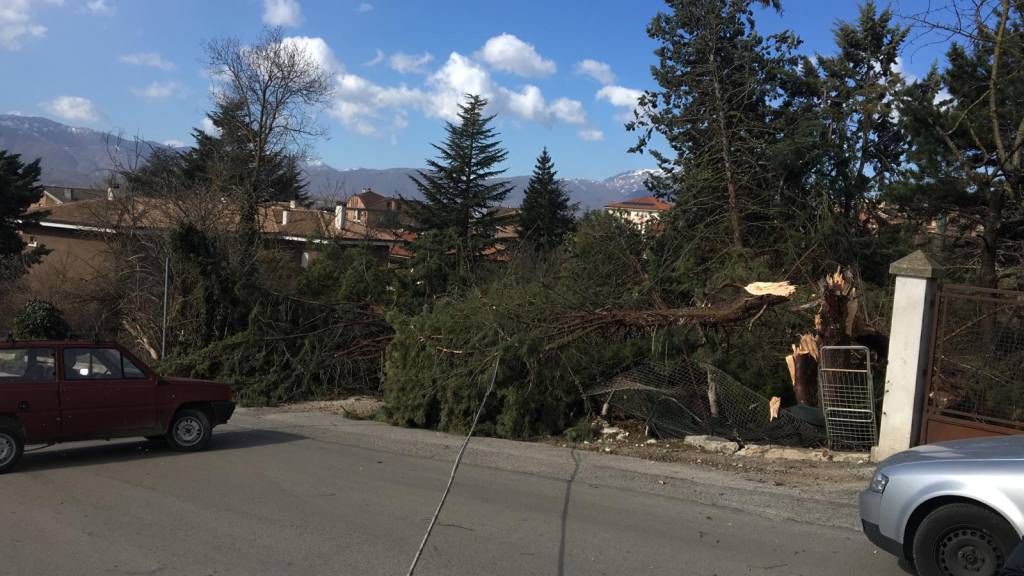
976,376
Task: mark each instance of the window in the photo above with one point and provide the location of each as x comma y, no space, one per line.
36,364
98,364
131,371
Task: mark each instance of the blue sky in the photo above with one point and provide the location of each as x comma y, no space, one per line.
561,74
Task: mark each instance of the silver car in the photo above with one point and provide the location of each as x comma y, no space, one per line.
950,509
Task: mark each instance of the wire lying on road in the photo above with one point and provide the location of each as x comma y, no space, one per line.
455,469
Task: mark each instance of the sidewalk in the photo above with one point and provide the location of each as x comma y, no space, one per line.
811,492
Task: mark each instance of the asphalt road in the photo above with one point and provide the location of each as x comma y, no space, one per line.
288,494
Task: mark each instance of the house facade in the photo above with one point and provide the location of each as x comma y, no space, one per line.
642,211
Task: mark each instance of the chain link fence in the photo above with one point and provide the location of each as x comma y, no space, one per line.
688,397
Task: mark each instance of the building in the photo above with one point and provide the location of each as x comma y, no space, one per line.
77,229
58,195
640,211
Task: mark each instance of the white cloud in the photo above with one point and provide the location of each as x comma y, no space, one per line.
510,54
620,96
17,22
406,63
569,111
590,135
100,7
364,8
174,143
317,49
160,90
207,126
358,101
365,107
282,13
376,59
151,59
73,108
459,76
599,71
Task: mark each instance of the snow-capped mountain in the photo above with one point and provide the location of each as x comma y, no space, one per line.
71,156
83,157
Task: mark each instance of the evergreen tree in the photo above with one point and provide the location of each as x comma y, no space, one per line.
546,214
459,188
863,145
225,161
966,166
719,84
222,163
19,189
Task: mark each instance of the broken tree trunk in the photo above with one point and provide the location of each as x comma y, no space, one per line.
758,297
837,323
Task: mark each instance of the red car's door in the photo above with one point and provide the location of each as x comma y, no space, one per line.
28,390
102,392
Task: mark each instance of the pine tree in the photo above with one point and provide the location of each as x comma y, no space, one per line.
546,214
225,161
221,163
719,82
19,189
459,189
966,168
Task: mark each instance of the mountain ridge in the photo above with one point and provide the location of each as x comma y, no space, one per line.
75,156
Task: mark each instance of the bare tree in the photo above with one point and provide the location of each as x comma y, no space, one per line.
278,86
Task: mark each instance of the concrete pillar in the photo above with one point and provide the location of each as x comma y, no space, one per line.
906,377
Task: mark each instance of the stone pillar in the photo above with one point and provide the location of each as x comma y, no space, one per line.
906,378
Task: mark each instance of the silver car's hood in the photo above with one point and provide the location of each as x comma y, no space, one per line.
995,448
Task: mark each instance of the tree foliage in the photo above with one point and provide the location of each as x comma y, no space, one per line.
269,94
459,189
19,189
547,214
967,127
40,320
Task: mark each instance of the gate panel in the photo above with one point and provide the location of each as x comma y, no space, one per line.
976,378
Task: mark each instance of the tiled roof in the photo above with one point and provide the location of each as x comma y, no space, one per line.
156,214
649,203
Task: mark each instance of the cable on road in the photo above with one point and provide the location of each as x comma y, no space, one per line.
455,469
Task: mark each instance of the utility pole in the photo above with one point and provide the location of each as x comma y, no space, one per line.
163,333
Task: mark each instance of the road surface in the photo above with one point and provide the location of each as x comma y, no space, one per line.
298,494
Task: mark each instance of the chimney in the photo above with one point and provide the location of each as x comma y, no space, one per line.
284,217
110,193
339,217
293,204
68,195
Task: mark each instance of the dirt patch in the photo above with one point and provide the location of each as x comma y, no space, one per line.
357,407
628,438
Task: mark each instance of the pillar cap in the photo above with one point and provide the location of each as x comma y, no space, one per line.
916,265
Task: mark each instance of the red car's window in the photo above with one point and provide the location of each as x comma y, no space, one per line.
99,364
36,364
92,364
130,369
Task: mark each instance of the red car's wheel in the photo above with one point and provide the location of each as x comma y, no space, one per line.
12,446
190,431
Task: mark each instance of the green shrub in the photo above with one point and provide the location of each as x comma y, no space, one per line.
40,320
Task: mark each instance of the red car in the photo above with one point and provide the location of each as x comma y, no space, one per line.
61,391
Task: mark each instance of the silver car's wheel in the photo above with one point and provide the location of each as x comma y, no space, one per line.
962,539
